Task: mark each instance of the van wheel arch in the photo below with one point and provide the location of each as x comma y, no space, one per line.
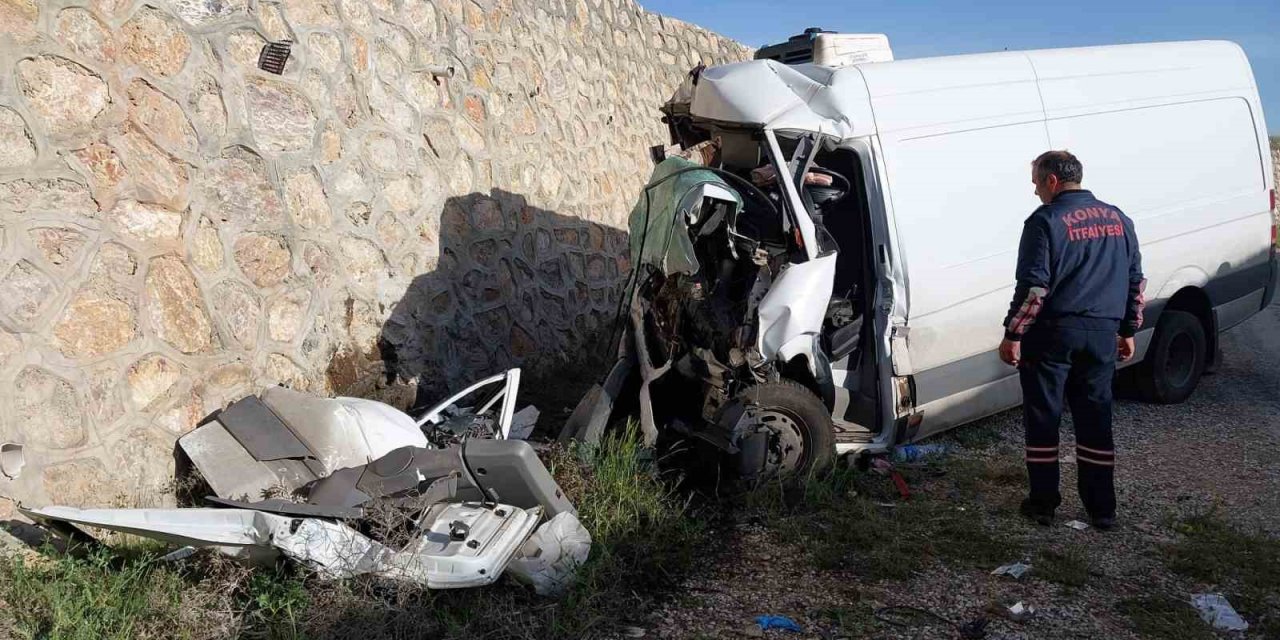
800,371
1183,347
1195,301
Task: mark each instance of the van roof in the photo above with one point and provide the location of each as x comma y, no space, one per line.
838,101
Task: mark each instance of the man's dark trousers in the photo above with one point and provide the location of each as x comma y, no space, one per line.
1076,364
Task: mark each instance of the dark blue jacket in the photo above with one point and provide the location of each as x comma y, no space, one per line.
1078,266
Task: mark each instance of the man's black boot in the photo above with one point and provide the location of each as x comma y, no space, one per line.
1041,516
1103,523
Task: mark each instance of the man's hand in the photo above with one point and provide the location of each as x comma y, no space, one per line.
1124,348
1011,352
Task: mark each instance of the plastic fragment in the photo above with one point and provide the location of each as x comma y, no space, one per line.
550,558
915,452
523,422
1019,611
1215,610
1015,570
181,554
1078,525
777,622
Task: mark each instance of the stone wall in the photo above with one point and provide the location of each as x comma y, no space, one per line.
181,229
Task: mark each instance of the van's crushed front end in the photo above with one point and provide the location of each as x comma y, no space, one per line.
730,318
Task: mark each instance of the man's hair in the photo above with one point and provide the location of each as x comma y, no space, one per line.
1059,163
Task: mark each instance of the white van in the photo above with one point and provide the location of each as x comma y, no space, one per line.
857,303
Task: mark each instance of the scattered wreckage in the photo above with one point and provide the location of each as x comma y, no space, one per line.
347,487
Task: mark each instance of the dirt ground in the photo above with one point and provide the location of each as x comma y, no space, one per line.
1215,453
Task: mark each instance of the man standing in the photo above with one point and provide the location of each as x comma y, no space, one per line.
1077,305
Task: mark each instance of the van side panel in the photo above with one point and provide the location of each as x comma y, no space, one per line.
1191,177
958,136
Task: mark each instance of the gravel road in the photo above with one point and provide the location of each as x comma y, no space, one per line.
1219,449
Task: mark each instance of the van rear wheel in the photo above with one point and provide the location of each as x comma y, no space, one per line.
1175,360
790,432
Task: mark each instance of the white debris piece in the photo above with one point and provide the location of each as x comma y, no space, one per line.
1019,612
549,560
1215,610
1078,525
181,554
523,422
1015,570
12,460
440,558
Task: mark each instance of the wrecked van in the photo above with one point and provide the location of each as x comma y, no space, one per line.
823,258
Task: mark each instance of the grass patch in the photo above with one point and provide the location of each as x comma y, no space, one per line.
857,621
644,540
1164,617
1068,567
979,435
841,521
103,594
1244,566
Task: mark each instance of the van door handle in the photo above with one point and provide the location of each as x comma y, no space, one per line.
884,254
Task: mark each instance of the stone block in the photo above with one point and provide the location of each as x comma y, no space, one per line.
325,50
18,19
391,109
60,246
306,199
158,178
182,417
330,144
83,482
235,188
205,247
207,107
149,380
25,292
47,408
175,308
264,259
279,115
155,42
312,13
382,153
244,46
67,96
202,12
161,117
286,313
17,149
146,223
239,310
114,261
100,319
364,261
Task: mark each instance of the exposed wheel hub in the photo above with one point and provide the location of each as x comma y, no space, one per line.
785,439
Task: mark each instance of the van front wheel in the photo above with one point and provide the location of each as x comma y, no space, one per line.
789,429
1175,360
